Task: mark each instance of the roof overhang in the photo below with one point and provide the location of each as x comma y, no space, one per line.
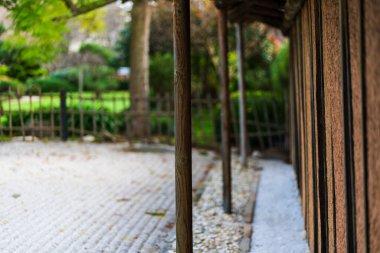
276,13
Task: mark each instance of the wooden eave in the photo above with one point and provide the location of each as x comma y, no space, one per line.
276,13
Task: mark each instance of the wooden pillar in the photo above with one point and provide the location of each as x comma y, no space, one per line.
242,95
226,151
182,98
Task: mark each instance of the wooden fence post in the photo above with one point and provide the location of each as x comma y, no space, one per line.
182,98
63,115
226,149
242,95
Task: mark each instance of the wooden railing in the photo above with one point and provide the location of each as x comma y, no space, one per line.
109,116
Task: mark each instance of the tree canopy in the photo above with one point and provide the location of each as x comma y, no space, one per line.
39,25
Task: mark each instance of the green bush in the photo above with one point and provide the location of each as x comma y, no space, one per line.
280,69
259,104
49,84
161,73
105,53
95,78
14,85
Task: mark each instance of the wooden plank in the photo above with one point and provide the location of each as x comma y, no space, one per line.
40,119
226,147
20,114
182,93
242,95
94,114
10,113
31,115
52,130
63,116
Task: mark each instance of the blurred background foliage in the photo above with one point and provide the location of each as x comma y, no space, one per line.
36,51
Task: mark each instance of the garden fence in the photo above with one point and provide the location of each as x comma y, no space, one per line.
108,117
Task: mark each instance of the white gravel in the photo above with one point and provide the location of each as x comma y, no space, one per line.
213,230
278,224
70,197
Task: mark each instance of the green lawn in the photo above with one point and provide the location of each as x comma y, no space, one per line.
113,101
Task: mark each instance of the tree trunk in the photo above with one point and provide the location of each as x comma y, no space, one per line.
139,85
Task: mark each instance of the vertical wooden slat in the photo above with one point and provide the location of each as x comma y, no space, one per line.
159,114
81,125
40,119
321,128
72,115
235,127
103,127
242,94
52,128
349,170
114,113
224,80
211,117
63,115
201,116
257,124
10,113
146,101
94,114
370,58
31,111
364,153
18,96
168,118
267,122
182,99
313,152
127,128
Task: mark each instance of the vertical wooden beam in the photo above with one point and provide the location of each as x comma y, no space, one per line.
348,147
182,99
226,152
242,95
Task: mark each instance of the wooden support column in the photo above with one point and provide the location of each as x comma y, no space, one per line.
226,150
182,98
242,96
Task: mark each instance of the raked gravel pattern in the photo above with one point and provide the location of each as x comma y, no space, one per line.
70,197
215,231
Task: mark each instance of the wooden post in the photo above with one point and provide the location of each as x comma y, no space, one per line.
52,129
81,124
18,96
182,99
63,114
31,111
242,97
40,113
10,113
226,150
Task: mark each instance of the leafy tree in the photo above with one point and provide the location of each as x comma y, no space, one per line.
108,55
280,69
122,47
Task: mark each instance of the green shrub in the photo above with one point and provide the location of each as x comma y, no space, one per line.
95,78
14,85
161,73
105,53
50,84
279,69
